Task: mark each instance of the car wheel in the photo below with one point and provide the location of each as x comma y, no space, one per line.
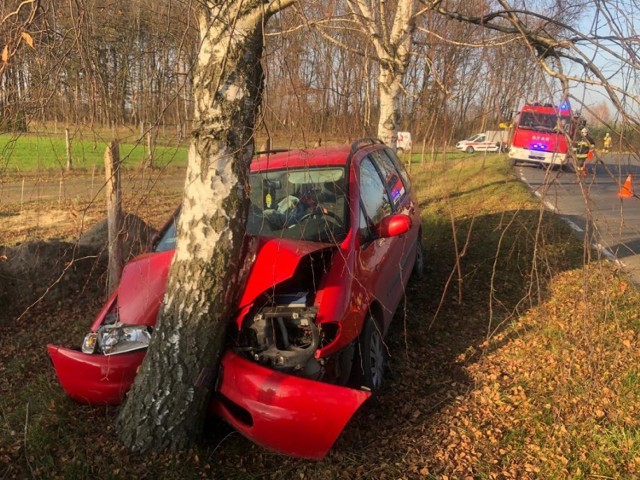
418,266
370,357
513,162
469,150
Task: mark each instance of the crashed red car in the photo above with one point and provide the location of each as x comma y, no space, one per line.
339,235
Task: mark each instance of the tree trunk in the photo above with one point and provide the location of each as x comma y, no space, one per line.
114,215
168,402
68,144
389,86
392,47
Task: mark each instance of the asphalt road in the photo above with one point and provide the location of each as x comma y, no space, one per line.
591,205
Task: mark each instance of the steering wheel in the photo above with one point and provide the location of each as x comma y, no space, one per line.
322,212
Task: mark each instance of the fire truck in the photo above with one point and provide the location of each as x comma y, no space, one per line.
542,135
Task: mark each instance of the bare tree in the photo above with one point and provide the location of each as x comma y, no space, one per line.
169,399
565,52
390,32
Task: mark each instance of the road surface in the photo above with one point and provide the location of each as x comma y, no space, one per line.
592,206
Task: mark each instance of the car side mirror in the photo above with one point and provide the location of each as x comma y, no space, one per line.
393,225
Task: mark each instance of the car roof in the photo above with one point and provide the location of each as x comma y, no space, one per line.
314,157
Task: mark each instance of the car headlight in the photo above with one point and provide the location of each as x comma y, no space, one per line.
90,343
119,338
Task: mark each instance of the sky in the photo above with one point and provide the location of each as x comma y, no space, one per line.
623,16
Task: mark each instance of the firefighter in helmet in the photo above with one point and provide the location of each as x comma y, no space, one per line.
583,148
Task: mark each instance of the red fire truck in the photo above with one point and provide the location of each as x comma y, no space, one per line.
542,134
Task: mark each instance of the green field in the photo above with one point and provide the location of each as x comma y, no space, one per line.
31,152
34,152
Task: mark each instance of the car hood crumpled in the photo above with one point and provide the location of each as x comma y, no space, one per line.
144,280
142,286
276,260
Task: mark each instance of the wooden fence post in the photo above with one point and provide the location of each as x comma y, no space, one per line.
149,160
114,214
68,140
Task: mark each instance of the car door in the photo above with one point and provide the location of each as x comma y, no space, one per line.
373,259
403,247
383,261
480,143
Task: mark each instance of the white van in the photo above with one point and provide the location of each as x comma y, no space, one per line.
489,141
404,142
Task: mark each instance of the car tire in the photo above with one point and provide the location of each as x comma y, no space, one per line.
513,162
418,266
370,357
469,150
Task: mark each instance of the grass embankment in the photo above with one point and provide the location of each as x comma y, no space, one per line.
32,152
509,360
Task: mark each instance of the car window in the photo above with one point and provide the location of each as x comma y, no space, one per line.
392,179
168,238
373,193
364,226
400,167
299,204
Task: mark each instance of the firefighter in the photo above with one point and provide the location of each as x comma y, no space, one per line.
583,148
607,142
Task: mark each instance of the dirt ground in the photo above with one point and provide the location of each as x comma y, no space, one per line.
53,250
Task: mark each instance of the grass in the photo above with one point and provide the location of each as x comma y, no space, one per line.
45,149
32,152
511,359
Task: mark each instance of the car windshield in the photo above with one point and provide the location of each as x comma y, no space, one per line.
542,122
167,239
299,204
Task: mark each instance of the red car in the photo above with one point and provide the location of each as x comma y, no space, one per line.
339,235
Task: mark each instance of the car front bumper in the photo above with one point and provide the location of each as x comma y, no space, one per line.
281,412
288,414
95,379
535,156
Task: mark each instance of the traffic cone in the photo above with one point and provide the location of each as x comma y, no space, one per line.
627,189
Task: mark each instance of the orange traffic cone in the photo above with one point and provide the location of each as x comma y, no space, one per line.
627,189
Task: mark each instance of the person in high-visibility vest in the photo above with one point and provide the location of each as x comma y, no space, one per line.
583,148
607,142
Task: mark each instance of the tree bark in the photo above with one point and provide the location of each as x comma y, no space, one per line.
389,93
168,402
114,215
68,144
392,47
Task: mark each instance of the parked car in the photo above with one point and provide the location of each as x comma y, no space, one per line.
339,234
489,141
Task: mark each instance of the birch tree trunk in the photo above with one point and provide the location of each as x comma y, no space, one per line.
392,46
168,402
389,86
